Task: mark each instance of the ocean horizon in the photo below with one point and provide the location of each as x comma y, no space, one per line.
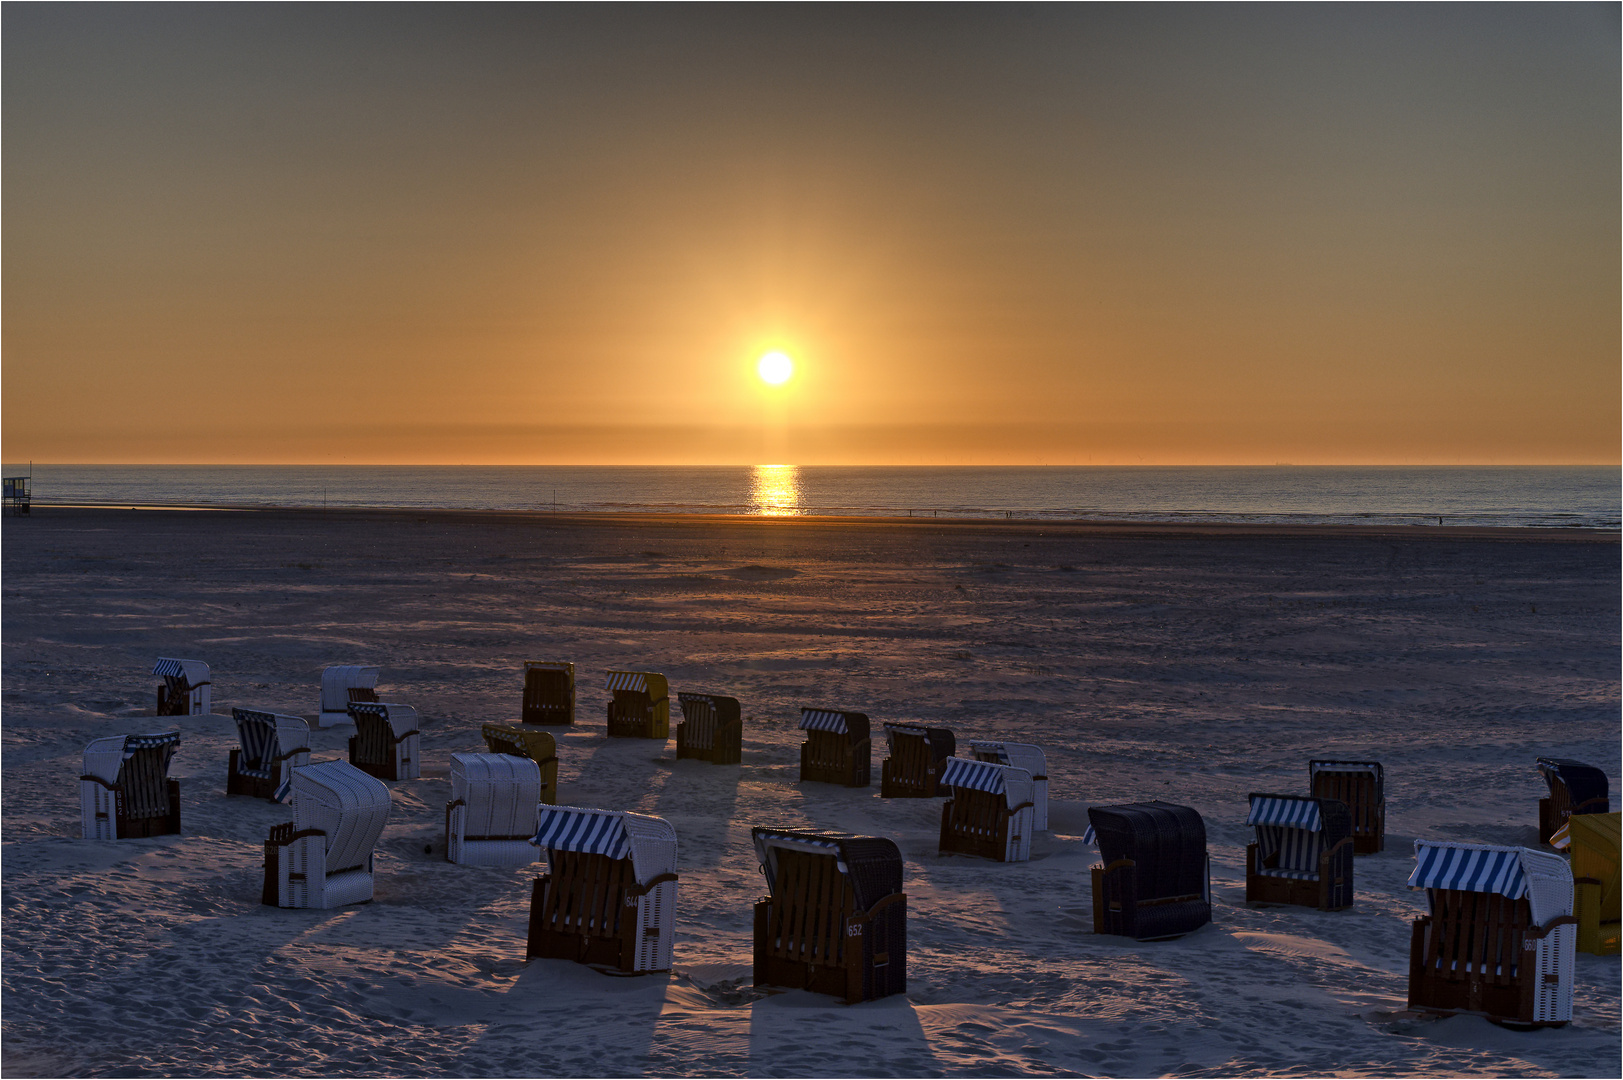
1524,496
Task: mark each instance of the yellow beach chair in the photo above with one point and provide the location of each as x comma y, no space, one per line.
1594,842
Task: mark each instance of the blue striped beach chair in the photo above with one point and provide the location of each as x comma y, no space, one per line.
837,747
272,745
342,684
834,920
1575,788
491,815
186,688
913,768
1022,756
324,857
712,728
125,791
549,693
387,740
1500,939
1154,877
641,705
990,813
608,898
1303,852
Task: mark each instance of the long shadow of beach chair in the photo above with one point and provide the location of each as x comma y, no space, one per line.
608,897
186,688
1593,843
1499,940
837,747
491,815
1575,788
125,791
641,706
272,746
386,740
323,858
913,768
1362,786
990,813
1154,880
1303,852
549,693
712,729
342,684
539,746
1022,756
835,919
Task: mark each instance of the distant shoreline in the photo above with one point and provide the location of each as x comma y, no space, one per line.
1013,526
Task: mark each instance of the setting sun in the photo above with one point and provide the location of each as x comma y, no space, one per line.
775,368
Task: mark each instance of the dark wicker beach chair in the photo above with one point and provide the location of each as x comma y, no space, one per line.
1154,880
185,689
990,813
1596,847
712,729
386,740
913,768
271,747
1362,786
125,791
539,746
641,707
836,750
608,897
835,919
549,693
1499,939
1575,788
1303,852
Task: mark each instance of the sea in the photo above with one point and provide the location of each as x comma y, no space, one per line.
1534,497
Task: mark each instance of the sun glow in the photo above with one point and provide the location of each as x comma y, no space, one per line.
775,368
775,491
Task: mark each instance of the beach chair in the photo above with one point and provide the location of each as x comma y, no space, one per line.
990,812
1499,940
272,746
323,858
491,815
641,707
342,684
1592,841
836,750
711,729
1362,786
539,746
549,693
913,768
185,689
608,897
1154,880
125,791
386,740
1021,756
835,918
1303,852
1575,788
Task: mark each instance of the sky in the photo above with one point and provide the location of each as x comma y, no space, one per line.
1071,234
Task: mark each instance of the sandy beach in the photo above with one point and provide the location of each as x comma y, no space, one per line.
1188,664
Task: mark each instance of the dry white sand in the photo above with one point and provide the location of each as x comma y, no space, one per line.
1192,665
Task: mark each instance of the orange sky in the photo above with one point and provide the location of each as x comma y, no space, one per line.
1064,235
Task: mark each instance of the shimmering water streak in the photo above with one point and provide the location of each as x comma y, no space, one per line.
1541,496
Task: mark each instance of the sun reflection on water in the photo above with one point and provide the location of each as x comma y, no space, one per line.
775,490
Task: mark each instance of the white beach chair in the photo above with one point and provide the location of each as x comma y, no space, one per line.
609,894
990,813
125,790
342,684
272,746
1022,756
1500,939
491,815
185,690
323,858
386,740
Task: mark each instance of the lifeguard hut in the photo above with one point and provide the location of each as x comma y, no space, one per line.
18,496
